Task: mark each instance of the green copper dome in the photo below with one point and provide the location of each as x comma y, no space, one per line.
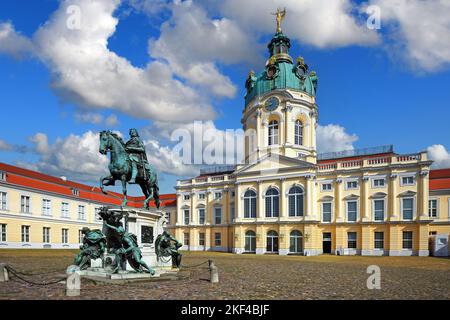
281,72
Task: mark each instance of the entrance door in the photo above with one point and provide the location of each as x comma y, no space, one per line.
326,243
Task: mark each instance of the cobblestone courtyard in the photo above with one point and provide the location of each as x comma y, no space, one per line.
247,277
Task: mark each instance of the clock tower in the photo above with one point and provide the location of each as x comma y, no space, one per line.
280,115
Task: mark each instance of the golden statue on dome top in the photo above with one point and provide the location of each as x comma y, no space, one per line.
280,17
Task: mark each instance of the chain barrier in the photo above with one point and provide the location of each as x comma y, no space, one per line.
17,275
34,274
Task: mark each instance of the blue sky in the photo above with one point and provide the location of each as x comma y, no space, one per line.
387,86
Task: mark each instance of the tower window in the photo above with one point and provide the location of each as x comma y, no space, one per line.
273,133
298,133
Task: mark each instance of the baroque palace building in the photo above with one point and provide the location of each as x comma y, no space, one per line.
38,211
287,199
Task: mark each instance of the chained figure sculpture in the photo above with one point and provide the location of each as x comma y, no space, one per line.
93,247
167,246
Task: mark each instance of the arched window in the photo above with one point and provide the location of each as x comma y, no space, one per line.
272,203
296,242
250,242
272,242
250,204
273,133
296,202
298,133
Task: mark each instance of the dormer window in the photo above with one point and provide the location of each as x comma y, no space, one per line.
75,192
2,176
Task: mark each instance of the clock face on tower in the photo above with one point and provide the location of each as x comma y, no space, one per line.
272,104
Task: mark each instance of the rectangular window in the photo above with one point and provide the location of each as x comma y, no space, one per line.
187,197
65,236
201,216
218,239
3,201
25,204
352,185
233,194
75,192
64,210
218,195
378,183
201,239
327,187
433,208
3,232
326,211
186,239
97,214
46,207
25,234
379,240
80,236
408,181
351,240
201,196
186,217
378,208
218,215
232,214
408,208
2,176
81,213
46,235
352,211
407,240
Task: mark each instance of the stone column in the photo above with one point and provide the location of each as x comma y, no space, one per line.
338,201
259,134
393,200
315,212
424,196
365,199
260,208
179,220
309,187
194,215
208,207
283,209
226,207
238,207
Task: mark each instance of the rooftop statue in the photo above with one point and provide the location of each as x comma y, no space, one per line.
280,17
129,164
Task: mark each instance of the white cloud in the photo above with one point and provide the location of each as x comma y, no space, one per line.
333,137
97,119
4,146
13,43
439,154
418,31
193,43
76,157
320,23
86,72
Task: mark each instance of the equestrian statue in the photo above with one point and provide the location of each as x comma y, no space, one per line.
129,164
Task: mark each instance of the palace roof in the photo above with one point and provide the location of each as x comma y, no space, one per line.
25,178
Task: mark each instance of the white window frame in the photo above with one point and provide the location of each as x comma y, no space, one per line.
356,240
97,215
186,197
295,196
221,215
3,232
63,215
326,183
351,181
331,213
25,236
64,236
199,216
413,208
375,240
200,239
80,236
298,132
5,208
384,209
273,135
47,211
218,195
188,215
379,178
215,239
187,240
82,217
437,208
202,196
29,203
357,210
249,207
3,176
412,240
408,176
46,235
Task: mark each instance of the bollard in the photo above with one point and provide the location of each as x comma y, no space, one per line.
3,272
73,282
214,271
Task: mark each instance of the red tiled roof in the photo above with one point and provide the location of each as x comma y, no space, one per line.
440,179
36,180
